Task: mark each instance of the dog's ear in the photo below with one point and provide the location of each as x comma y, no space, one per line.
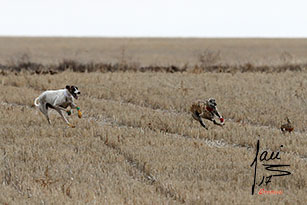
67,87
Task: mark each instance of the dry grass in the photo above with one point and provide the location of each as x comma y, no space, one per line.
137,144
54,55
159,51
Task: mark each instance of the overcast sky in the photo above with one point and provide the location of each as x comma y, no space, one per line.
156,18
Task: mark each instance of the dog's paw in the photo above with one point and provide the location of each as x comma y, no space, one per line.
72,126
79,114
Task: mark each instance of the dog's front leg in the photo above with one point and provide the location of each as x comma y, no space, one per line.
74,106
58,102
58,108
217,123
63,117
63,109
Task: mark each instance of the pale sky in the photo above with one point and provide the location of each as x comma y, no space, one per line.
158,18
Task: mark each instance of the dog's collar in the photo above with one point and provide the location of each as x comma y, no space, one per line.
209,108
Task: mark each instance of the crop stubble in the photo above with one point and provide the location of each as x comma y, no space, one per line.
137,142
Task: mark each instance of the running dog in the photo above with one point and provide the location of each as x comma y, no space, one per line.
207,110
59,100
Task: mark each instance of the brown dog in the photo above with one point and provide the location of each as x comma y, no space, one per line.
207,110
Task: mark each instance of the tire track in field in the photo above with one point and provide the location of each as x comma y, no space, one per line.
212,143
133,163
140,167
176,112
186,114
108,121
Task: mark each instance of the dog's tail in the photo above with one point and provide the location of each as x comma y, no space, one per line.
35,101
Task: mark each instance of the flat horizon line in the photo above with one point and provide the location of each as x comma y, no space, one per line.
153,37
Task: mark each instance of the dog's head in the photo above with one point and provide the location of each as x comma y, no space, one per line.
212,103
73,90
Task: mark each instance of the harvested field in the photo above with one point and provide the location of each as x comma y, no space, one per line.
153,51
137,142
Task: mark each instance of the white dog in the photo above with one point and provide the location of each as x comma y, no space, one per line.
59,100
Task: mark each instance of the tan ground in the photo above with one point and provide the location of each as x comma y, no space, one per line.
137,144
153,51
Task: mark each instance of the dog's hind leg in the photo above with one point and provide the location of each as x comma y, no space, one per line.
63,117
203,124
196,116
44,109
